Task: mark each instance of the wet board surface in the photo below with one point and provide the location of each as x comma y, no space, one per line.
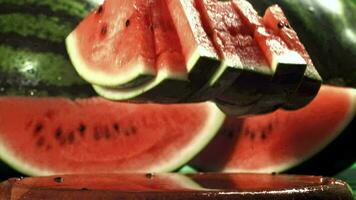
176,186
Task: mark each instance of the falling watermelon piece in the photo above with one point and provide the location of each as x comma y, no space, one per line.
170,65
288,65
275,19
281,140
238,48
114,45
45,136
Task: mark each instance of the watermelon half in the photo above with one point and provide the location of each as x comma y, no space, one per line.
44,136
281,140
114,45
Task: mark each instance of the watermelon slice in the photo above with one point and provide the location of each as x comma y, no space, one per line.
44,136
237,47
275,19
99,48
283,139
170,64
288,65
202,60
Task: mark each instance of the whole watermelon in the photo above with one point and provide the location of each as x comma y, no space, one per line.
33,58
328,30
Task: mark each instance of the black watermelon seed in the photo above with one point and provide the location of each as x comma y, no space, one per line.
84,189
58,133
58,179
280,24
40,142
263,136
38,128
100,10
149,175
82,128
127,23
71,137
151,28
116,127
104,29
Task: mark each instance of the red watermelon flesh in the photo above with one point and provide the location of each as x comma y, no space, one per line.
275,19
170,64
202,60
288,65
114,45
42,136
280,140
239,49
190,31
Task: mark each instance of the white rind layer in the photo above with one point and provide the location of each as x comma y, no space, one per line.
138,69
128,93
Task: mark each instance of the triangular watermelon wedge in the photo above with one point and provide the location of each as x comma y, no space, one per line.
46,136
114,45
275,19
281,140
170,65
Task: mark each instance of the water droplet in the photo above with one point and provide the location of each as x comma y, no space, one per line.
32,92
311,9
2,89
59,78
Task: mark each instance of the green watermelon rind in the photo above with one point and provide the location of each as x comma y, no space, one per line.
297,161
142,70
129,93
196,144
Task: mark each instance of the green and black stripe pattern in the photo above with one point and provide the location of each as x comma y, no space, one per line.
33,58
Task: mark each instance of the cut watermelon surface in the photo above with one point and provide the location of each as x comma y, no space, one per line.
170,64
275,19
99,47
239,50
43,136
288,65
190,51
283,139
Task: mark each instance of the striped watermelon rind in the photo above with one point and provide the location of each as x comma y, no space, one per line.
33,58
